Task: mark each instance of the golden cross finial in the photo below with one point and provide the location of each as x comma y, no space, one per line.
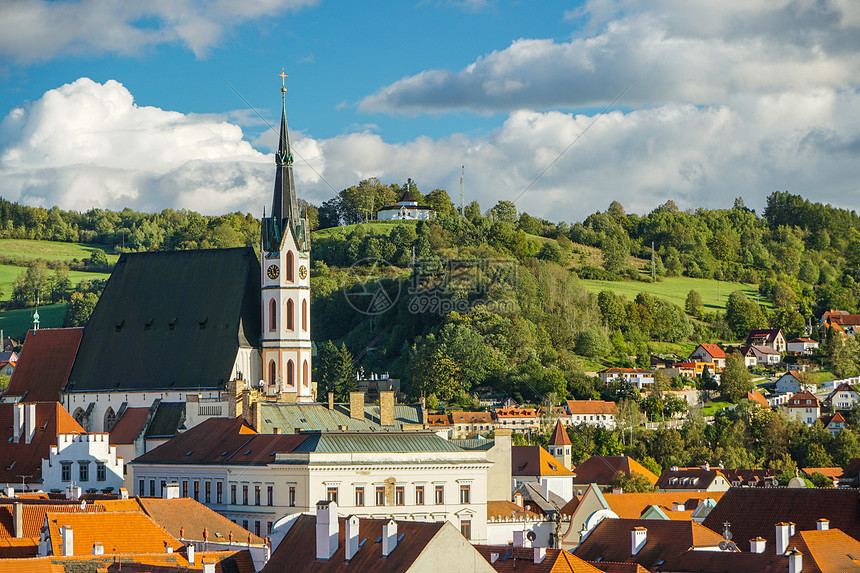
283,81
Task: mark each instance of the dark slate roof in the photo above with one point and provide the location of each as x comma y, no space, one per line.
754,511
376,442
170,320
168,418
44,365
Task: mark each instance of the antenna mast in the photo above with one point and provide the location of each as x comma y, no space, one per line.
462,184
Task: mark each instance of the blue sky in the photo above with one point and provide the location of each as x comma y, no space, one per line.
112,104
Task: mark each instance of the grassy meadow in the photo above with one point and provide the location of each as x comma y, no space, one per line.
51,250
15,323
714,293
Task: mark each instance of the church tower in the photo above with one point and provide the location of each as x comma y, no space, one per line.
285,293
560,445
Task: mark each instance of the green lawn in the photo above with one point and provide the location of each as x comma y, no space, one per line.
8,274
714,407
15,323
674,289
376,227
51,250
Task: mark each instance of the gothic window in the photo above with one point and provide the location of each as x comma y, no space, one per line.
305,378
290,266
273,372
290,379
305,315
290,314
273,315
110,419
80,417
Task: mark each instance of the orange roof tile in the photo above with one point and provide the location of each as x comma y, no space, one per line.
756,396
471,417
45,363
714,350
632,505
603,469
831,550
591,407
33,515
515,412
559,436
535,461
503,509
118,532
128,426
511,559
438,420
832,473
192,517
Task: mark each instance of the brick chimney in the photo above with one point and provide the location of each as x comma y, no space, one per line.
389,537
326,529
638,537
356,405
351,537
386,408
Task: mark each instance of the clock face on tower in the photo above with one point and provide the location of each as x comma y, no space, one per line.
272,272
303,272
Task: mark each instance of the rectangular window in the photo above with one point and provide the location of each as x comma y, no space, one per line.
359,497
196,490
163,485
256,495
233,493
292,496
67,474
101,473
85,471
380,495
219,492
466,528
465,494
140,490
270,495
244,524
331,493
419,495
440,494
152,488
257,527
185,488
399,495
244,495
207,491
268,528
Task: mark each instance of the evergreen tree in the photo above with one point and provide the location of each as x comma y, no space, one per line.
735,380
335,372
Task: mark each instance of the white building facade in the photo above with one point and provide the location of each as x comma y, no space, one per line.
84,460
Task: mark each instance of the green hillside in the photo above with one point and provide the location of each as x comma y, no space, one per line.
51,250
8,274
15,323
674,289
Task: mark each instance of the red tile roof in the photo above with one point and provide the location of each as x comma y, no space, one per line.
189,518
129,426
535,461
297,551
521,559
689,478
17,459
45,363
559,436
603,469
610,540
33,516
755,396
118,532
714,350
633,505
515,413
438,420
591,407
471,417
510,510
754,511
799,400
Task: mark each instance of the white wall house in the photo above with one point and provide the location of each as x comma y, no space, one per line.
638,376
790,382
85,460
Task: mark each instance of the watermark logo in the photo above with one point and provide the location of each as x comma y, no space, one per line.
364,288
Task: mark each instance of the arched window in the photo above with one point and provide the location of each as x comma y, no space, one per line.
80,417
290,266
273,315
305,315
305,378
110,419
290,314
273,372
290,379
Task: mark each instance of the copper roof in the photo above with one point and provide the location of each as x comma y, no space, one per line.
44,364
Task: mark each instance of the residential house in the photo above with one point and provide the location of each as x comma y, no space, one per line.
841,321
765,355
8,360
753,512
517,419
844,397
803,407
746,352
802,346
441,424
639,377
602,471
88,460
742,477
590,412
703,478
756,397
834,423
648,542
794,382
44,365
691,369
833,473
257,479
709,353
535,465
594,506
534,560
326,542
507,520
770,337
470,424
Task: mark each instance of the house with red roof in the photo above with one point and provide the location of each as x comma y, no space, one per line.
590,412
834,423
470,424
771,337
709,353
43,366
639,377
704,478
602,471
793,382
802,346
841,322
803,407
844,397
8,360
517,419
756,397
534,465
